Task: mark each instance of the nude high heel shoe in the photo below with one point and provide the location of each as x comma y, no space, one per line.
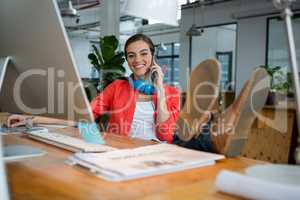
202,94
233,130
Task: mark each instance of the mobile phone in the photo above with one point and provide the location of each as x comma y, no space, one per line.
153,74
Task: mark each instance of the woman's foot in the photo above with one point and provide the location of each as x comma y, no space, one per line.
201,96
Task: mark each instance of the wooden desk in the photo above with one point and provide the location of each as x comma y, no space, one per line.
48,177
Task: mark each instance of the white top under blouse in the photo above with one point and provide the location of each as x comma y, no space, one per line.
143,125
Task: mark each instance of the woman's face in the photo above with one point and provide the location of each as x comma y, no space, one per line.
139,58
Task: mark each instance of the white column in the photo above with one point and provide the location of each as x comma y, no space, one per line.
110,17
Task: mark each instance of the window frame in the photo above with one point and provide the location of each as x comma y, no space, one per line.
295,15
171,56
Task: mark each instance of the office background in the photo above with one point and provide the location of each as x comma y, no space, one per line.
244,34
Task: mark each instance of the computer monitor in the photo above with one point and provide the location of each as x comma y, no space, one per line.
42,77
3,183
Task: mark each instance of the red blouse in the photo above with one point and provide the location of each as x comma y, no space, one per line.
119,101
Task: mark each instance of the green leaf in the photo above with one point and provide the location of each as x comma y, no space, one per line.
98,54
111,41
108,45
94,60
123,69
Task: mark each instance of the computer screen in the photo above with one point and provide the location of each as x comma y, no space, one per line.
3,184
42,77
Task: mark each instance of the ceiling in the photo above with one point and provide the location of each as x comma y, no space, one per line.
89,12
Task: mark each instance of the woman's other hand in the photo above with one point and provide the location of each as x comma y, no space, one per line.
17,120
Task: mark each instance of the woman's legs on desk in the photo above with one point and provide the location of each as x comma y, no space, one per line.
215,132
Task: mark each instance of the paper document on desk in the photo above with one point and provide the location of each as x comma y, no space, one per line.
144,161
262,182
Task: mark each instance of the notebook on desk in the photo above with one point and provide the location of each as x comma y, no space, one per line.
127,164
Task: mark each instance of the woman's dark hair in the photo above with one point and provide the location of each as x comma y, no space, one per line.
138,37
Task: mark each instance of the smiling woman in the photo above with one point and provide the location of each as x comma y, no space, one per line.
140,107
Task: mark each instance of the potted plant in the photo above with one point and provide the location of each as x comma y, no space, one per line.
280,84
108,61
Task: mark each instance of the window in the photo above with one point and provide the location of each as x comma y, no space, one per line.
277,51
167,56
225,59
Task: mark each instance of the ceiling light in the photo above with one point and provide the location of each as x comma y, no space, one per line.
193,31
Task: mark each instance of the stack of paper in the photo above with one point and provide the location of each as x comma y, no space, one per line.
144,161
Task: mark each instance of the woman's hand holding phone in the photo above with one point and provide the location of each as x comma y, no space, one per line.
157,76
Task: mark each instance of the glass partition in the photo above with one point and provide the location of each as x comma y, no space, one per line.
217,42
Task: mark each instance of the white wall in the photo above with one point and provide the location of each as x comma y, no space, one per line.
251,34
251,47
